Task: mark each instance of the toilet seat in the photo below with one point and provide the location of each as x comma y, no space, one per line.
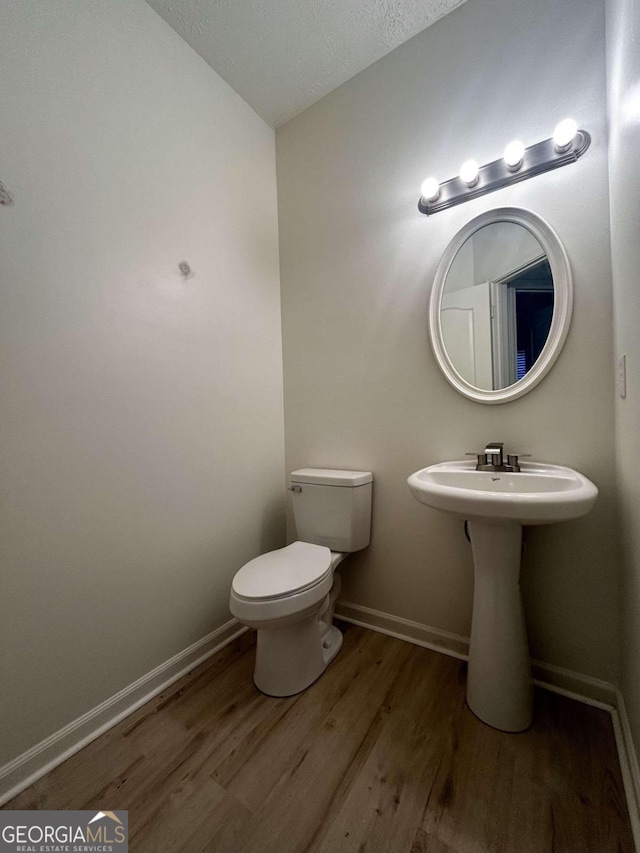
287,571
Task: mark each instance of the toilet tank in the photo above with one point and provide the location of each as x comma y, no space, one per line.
332,507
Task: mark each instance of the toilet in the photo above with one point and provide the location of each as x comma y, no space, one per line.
289,595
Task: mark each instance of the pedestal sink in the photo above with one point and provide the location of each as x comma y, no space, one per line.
497,504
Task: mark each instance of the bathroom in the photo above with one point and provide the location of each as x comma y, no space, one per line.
152,414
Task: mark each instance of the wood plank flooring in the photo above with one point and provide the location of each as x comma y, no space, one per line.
381,754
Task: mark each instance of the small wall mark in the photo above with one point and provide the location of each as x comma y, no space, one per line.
185,270
5,198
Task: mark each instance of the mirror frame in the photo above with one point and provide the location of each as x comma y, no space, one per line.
562,305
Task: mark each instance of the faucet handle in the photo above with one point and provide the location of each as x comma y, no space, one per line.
512,460
481,458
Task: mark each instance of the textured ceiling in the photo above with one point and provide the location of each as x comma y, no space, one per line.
283,55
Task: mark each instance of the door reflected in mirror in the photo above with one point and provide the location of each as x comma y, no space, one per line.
497,305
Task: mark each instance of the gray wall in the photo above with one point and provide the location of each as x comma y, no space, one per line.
362,388
623,55
142,451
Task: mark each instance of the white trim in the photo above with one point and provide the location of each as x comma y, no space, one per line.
404,629
27,768
575,685
585,688
566,682
629,766
562,308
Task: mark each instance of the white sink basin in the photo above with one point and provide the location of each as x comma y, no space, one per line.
538,494
497,504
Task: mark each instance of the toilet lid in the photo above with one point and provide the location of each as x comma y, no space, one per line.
283,572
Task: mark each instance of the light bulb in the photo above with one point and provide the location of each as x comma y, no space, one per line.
563,134
430,189
631,105
513,154
469,173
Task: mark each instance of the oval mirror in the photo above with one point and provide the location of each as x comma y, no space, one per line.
501,305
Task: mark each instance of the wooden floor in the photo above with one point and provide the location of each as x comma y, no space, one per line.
381,754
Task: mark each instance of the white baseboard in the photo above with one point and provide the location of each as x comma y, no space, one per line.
554,678
575,685
24,770
628,765
403,629
584,688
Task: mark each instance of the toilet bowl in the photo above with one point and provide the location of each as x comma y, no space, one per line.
288,595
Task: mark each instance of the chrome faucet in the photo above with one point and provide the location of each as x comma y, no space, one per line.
493,452
493,458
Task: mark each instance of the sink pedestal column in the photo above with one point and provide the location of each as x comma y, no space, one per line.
499,688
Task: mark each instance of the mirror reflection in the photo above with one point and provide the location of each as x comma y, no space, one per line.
497,305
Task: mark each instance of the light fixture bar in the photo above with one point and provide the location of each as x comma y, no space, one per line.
538,158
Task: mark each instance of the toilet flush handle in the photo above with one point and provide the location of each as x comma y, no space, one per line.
295,488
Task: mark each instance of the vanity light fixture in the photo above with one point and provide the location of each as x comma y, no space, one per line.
514,155
430,189
563,135
470,173
518,163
